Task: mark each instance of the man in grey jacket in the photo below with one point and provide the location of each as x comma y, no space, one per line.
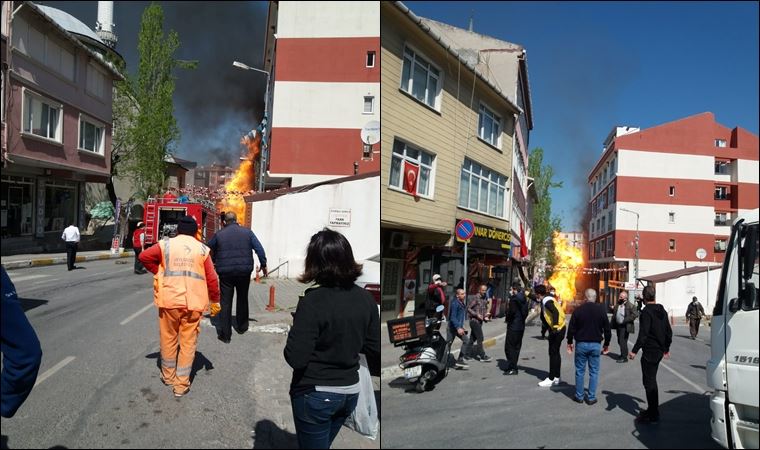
623,318
476,310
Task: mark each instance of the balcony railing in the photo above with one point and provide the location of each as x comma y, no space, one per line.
722,223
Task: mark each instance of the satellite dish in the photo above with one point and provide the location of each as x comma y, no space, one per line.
371,132
701,253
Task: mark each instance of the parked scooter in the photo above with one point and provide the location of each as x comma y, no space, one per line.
426,362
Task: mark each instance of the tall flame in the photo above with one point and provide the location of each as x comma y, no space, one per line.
568,260
243,180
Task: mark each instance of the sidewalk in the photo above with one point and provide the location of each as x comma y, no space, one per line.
42,259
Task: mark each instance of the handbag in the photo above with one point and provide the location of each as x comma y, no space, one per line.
364,418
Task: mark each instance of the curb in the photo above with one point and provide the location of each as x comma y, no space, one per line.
61,260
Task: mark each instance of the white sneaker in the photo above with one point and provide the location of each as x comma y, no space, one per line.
555,382
547,382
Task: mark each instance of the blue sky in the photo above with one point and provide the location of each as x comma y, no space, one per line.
595,65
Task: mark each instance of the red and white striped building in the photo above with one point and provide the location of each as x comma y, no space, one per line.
687,180
325,57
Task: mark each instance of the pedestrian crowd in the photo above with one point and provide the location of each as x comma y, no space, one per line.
588,332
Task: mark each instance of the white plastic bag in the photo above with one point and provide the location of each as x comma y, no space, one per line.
364,418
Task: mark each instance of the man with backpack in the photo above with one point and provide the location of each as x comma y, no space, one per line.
553,318
517,312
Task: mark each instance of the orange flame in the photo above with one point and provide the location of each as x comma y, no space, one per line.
568,260
243,180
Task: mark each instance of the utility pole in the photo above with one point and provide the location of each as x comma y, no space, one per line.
636,247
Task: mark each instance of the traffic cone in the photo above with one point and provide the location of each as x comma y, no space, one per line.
270,306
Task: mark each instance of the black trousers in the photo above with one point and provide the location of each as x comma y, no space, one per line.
512,347
477,338
227,287
138,265
544,328
555,361
622,337
650,362
71,253
694,327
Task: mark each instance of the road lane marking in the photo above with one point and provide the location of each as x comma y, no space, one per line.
698,388
53,370
142,310
28,277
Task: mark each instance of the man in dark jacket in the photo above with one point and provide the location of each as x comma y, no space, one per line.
556,331
21,350
694,312
655,337
517,312
456,327
588,326
231,252
623,318
477,308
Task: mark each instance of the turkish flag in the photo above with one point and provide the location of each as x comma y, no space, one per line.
411,173
523,244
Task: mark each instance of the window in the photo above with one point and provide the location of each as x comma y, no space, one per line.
672,245
722,219
610,247
42,48
42,117
613,166
720,245
421,79
489,126
96,82
598,249
17,195
604,224
722,168
671,217
482,189
672,191
404,153
721,193
610,221
91,136
604,247
592,227
60,205
370,59
611,193
598,225
369,104
720,142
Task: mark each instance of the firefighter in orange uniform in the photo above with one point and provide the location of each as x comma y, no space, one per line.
184,283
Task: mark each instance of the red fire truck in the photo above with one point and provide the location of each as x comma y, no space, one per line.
162,216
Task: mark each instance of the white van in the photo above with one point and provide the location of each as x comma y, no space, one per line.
732,371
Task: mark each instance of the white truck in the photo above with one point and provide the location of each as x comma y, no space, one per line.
732,371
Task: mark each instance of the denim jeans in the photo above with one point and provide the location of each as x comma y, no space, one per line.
587,352
320,415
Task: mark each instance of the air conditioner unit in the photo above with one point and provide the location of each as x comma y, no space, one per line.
399,241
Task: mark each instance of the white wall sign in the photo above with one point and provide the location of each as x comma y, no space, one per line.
340,217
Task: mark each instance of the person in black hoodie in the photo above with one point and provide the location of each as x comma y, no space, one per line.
655,337
334,322
517,312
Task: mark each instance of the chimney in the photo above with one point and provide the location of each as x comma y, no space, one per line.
104,26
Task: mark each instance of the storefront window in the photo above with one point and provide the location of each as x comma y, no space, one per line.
16,206
60,205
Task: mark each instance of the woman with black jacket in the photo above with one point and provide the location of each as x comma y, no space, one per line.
334,322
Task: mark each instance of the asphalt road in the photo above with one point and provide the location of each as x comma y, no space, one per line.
98,386
482,408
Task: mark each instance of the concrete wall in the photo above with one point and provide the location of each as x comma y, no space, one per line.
675,295
285,225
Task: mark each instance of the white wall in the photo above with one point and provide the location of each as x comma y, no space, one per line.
328,19
285,225
313,105
654,217
675,295
747,171
665,165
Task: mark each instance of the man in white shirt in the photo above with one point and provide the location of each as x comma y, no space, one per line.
71,236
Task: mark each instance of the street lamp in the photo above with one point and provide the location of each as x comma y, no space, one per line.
263,160
636,246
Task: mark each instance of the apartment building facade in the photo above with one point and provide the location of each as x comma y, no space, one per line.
325,66
447,140
57,116
668,190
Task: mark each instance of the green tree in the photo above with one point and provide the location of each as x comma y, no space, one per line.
544,225
144,110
